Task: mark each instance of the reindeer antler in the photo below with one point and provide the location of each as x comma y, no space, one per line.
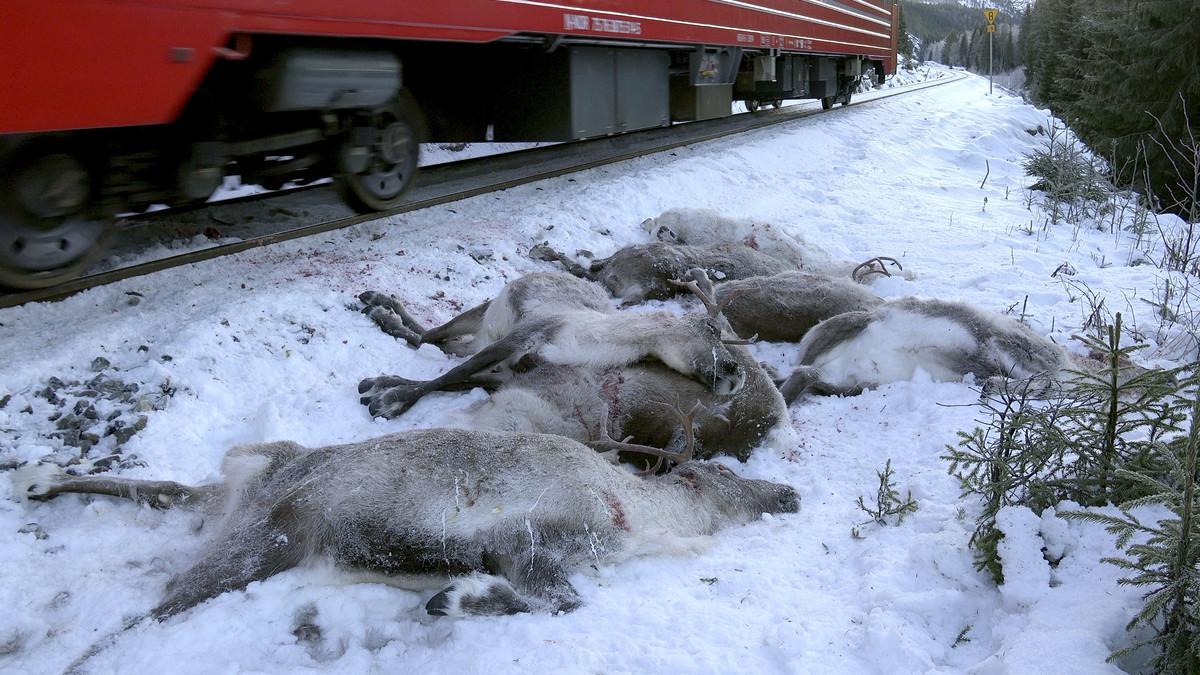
705,293
876,265
544,251
607,444
748,341
702,288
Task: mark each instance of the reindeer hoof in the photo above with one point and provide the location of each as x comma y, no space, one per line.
380,407
366,386
36,482
387,401
375,385
438,604
370,297
543,252
479,596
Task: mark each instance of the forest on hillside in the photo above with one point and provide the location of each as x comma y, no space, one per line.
1123,74
956,35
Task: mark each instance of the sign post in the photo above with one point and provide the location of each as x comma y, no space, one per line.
990,15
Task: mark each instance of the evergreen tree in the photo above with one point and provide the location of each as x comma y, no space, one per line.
1059,53
1126,75
1117,422
1041,443
1167,559
1144,69
1008,53
1030,28
906,46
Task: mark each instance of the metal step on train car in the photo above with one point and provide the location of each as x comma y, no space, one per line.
114,105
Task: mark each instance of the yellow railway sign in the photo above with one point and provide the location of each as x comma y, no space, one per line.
990,15
991,28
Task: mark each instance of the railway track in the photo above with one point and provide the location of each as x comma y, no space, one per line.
269,218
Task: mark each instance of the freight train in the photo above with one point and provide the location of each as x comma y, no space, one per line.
113,105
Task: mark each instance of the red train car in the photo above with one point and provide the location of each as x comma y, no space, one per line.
111,105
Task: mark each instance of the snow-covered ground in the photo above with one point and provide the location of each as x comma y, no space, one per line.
264,345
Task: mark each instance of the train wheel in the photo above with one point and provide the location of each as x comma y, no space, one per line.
777,104
752,105
378,160
45,238
827,103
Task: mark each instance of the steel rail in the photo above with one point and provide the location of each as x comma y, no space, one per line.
455,181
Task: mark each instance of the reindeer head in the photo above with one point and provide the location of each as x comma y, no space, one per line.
700,350
641,272
660,229
732,498
707,349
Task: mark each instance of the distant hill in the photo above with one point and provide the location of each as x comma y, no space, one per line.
953,32
932,21
1013,6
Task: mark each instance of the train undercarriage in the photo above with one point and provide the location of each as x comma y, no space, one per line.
277,111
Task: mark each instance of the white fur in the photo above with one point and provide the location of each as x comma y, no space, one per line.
472,585
891,349
511,409
35,480
588,339
704,227
499,319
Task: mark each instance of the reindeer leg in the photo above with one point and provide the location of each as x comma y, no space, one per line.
46,481
389,302
544,252
542,579
530,582
387,401
478,595
467,323
634,298
244,555
393,325
389,314
487,381
807,380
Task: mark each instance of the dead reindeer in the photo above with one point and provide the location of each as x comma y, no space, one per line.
507,517
642,404
537,294
784,307
643,272
536,319
707,228
949,340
